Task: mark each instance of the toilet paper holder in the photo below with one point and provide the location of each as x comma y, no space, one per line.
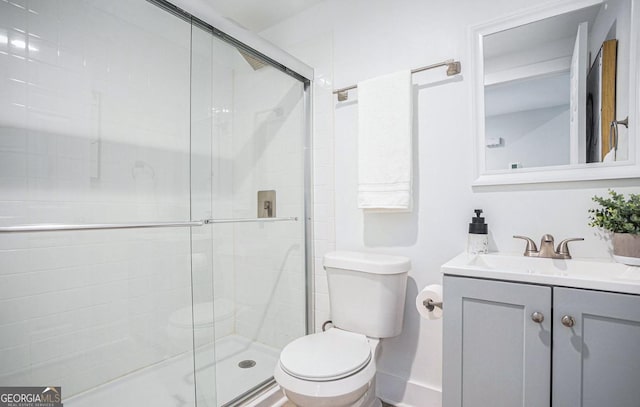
430,304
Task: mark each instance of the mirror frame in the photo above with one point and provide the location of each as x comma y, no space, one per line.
561,173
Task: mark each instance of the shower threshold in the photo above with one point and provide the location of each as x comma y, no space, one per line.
170,383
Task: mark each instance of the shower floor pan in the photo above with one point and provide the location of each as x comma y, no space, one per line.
170,383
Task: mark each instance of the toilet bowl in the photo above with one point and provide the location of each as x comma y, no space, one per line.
330,369
337,368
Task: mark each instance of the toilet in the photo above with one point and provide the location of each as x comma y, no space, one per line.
337,367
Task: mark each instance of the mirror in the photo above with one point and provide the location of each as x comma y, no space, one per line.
554,92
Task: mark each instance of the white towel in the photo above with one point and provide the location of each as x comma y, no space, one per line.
384,143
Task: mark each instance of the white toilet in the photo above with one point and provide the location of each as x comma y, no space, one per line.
337,367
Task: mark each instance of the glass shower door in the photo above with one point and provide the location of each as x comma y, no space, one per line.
95,129
250,130
128,112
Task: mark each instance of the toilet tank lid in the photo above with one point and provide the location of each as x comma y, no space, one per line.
367,262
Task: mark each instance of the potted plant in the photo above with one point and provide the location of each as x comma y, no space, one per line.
621,217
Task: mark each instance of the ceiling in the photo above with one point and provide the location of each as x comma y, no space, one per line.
539,32
526,95
257,15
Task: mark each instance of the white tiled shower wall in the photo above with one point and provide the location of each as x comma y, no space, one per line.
318,52
94,127
268,155
248,136
250,123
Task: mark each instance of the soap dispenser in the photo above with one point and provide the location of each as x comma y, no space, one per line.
478,235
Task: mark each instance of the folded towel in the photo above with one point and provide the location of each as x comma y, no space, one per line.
384,143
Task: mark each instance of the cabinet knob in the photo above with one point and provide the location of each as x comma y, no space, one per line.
568,321
537,317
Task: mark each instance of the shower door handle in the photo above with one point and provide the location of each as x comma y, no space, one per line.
251,220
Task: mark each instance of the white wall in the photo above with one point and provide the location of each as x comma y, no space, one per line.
374,37
533,138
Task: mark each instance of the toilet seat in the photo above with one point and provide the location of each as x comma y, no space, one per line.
326,356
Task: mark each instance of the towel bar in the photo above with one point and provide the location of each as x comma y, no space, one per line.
453,68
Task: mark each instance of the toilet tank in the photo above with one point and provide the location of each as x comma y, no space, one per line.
367,292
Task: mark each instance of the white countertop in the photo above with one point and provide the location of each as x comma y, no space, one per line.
595,274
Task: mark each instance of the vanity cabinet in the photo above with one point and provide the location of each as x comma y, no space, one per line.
596,362
493,353
517,344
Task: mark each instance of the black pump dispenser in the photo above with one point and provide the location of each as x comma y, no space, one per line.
477,225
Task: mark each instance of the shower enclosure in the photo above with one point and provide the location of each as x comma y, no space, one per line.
136,267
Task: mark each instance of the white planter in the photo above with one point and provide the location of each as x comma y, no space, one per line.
626,248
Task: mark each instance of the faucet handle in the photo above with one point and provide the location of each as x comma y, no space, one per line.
531,249
563,247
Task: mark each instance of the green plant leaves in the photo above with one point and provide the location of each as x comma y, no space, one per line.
617,214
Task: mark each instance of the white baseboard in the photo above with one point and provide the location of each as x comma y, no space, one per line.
402,393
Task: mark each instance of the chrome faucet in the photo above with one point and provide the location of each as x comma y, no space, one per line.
546,247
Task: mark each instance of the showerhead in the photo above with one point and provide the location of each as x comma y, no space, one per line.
251,60
453,68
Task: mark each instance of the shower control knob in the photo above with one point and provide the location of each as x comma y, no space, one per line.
537,317
568,321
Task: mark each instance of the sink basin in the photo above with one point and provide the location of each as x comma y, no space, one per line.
597,274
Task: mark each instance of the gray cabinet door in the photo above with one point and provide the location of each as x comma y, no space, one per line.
494,354
596,362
